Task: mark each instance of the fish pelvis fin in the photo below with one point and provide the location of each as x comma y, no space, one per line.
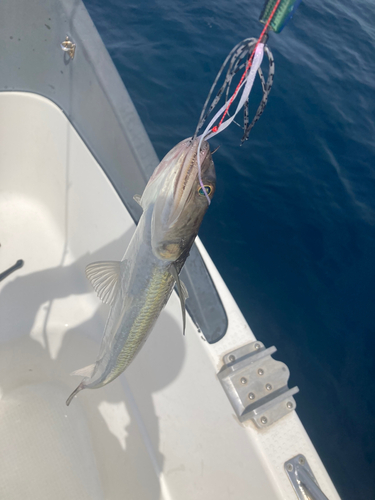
87,371
76,391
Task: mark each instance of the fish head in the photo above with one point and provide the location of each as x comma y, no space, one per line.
179,200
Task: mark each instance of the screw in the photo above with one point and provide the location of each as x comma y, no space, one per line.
243,380
251,395
263,420
289,405
256,346
301,460
289,467
260,371
268,387
231,358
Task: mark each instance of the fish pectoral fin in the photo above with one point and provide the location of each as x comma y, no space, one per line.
105,279
137,198
183,294
87,371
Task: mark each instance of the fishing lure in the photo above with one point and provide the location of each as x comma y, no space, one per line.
247,54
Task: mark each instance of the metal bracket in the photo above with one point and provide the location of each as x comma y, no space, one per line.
257,385
68,46
303,480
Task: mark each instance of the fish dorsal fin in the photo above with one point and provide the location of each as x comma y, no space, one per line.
137,198
105,279
182,292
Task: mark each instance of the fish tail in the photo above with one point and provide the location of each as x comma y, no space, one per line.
76,391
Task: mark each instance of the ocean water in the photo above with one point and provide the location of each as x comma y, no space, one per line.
291,227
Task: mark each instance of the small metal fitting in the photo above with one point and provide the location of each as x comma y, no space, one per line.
302,479
68,46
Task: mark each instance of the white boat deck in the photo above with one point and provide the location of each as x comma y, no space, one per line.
165,428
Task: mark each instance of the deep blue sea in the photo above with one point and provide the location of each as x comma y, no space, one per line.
292,224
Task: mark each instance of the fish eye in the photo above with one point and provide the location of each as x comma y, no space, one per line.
206,187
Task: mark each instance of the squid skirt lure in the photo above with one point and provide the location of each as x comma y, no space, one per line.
247,54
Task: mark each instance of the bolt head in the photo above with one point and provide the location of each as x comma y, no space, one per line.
289,405
243,380
257,346
268,387
289,467
263,420
260,371
231,358
251,396
301,460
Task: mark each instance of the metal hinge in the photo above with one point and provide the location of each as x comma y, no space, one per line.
257,385
303,480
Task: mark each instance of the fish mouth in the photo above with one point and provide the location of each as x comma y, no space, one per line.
177,186
187,176
174,157
161,183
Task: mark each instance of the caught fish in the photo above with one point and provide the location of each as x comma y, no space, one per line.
137,288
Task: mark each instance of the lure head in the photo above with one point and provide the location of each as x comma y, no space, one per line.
178,199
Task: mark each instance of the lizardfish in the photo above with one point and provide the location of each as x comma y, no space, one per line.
139,286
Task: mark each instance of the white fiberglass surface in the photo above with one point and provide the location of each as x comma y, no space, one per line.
164,429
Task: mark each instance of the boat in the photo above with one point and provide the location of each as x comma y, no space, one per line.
206,416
